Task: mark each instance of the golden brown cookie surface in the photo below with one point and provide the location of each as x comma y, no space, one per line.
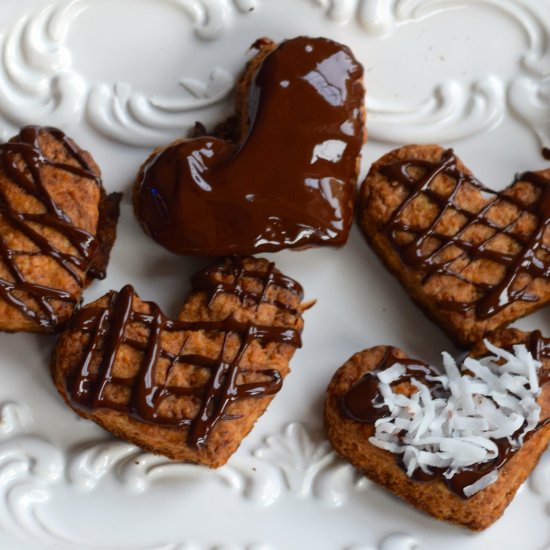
351,410
51,205
473,259
189,388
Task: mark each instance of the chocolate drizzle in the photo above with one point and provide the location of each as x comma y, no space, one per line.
532,258
22,160
288,182
361,403
87,385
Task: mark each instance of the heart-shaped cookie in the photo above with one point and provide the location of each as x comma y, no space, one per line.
456,446
289,178
472,258
192,388
57,227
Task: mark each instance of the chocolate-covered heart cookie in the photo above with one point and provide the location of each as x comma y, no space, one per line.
57,227
288,178
190,388
457,444
472,258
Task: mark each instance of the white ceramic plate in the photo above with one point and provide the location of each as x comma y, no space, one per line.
122,76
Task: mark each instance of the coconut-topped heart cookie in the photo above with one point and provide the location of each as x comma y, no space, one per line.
455,444
472,258
190,388
286,181
57,227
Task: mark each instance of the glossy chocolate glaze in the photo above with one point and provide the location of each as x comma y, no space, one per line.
106,326
360,403
22,160
290,180
492,298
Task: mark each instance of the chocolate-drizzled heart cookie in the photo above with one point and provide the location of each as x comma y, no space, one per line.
190,388
57,227
473,259
457,444
286,179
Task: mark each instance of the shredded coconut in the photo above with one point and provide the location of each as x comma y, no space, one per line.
494,399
